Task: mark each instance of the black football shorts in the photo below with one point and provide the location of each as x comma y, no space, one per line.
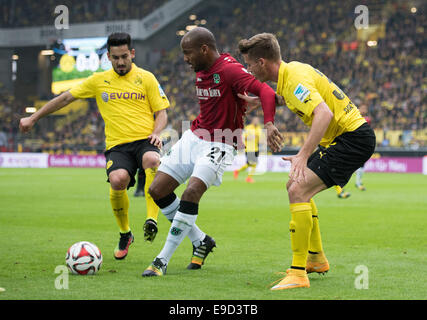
128,156
335,164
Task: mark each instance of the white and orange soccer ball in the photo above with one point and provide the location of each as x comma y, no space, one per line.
83,258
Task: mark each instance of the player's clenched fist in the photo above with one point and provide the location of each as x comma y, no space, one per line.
26,124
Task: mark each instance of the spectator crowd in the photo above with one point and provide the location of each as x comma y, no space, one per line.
26,13
388,77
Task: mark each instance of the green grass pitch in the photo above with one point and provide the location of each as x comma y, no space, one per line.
44,211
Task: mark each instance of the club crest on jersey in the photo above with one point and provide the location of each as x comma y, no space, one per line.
109,164
301,92
216,78
104,96
138,81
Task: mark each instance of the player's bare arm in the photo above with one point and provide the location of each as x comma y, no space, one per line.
159,125
322,118
57,103
255,102
274,138
280,101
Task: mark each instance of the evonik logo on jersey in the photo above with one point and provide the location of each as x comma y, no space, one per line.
122,95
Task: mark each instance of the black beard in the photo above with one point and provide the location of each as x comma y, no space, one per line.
122,73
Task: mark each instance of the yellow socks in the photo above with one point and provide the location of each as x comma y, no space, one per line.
152,208
307,250
244,167
315,238
300,228
251,170
120,204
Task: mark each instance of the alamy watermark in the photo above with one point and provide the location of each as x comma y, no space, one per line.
362,279
362,20
361,282
63,18
61,281
216,147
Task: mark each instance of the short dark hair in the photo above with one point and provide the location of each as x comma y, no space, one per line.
200,36
263,45
117,39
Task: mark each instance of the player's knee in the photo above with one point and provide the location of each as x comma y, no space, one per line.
150,160
288,184
192,194
119,179
295,193
155,191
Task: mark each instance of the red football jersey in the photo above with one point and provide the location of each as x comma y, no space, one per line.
368,119
220,107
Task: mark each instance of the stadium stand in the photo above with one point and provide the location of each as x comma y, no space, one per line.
25,13
389,77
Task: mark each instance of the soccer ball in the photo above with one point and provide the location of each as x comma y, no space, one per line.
83,258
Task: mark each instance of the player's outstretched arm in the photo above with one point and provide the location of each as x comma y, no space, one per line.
254,102
243,82
274,138
322,118
159,125
26,124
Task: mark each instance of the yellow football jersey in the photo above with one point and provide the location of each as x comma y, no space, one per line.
304,88
251,135
126,103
